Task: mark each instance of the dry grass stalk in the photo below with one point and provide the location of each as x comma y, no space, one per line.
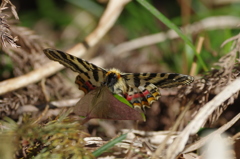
224,83
194,64
5,31
202,116
219,131
204,89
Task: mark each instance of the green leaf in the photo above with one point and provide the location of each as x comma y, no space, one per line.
123,100
109,145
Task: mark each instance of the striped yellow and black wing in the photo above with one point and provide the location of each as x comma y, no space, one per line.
140,89
90,76
143,87
162,80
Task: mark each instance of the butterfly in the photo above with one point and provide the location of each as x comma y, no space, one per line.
140,89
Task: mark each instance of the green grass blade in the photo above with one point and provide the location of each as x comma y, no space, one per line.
109,145
168,23
123,100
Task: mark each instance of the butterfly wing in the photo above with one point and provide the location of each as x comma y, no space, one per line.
90,76
144,86
162,80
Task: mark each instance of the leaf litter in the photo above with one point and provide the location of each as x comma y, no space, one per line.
63,135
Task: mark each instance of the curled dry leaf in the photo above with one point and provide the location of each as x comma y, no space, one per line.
100,103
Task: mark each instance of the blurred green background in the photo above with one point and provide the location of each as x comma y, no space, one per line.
67,22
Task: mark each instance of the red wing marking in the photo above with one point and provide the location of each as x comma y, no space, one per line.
85,86
145,92
135,96
90,86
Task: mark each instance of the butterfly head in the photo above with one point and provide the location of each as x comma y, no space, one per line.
115,82
112,77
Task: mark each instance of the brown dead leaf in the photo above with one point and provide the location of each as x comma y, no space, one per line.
100,103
